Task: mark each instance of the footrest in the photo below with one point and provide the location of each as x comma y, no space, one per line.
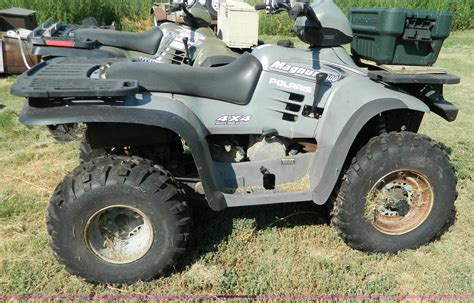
403,78
71,78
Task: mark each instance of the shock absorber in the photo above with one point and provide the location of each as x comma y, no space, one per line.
380,124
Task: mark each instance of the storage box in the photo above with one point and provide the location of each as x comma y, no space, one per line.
13,18
399,36
237,24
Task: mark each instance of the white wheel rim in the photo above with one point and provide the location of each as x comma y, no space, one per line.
119,234
215,5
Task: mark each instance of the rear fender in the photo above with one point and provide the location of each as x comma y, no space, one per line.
160,110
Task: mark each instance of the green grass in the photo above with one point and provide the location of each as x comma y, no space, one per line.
129,13
106,11
262,250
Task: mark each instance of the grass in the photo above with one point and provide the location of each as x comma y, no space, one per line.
73,11
273,249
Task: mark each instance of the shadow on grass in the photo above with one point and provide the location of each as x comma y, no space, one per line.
212,228
7,76
2,106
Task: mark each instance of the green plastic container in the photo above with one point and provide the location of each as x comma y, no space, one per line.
399,36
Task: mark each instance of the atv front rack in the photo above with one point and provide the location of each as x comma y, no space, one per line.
427,85
424,78
71,78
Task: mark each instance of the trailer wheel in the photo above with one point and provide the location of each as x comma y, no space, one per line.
64,133
118,220
397,194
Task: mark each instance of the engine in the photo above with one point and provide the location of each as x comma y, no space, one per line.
253,148
267,148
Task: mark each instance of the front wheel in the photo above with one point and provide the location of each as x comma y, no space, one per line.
213,8
398,193
118,220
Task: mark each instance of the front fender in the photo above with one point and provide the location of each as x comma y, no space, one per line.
159,110
349,108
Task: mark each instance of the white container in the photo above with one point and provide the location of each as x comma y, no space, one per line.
237,24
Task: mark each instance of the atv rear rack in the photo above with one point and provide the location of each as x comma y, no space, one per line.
58,34
70,78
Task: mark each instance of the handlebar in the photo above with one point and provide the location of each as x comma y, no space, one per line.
175,7
274,6
260,6
294,10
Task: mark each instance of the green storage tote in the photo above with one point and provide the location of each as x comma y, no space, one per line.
399,36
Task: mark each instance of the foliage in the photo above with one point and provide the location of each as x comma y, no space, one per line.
127,12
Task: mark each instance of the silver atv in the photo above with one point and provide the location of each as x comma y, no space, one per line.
279,125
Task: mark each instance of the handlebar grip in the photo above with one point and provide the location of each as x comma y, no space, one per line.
260,6
175,7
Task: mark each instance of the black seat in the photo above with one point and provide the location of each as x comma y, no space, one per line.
234,83
146,42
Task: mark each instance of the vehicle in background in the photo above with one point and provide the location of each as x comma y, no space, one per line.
15,55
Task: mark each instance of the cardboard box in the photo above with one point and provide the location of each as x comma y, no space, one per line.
14,18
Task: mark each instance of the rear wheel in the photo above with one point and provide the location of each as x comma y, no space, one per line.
67,132
118,220
398,193
156,153
87,153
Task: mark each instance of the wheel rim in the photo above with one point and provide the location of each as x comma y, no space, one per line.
215,5
119,234
399,202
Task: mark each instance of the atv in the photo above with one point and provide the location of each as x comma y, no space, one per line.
193,43
278,125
